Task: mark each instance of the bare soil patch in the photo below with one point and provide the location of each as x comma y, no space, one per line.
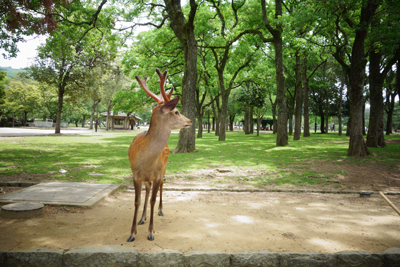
218,221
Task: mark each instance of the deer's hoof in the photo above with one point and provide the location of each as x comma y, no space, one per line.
150,237
160,213
141,222
130,239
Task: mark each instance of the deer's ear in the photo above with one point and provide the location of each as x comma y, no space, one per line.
170,105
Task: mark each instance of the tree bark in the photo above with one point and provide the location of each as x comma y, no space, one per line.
231,120
281,126
306,132
340,108
390,100
92,115
61,91
251,120
83,120
208,122
299,99
200,122
375,136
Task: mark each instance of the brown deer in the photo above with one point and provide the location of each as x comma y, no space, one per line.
148,153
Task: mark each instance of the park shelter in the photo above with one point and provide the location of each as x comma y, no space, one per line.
121,120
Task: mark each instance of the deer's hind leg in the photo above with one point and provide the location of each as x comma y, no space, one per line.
154,191
138,188
146,200
160,212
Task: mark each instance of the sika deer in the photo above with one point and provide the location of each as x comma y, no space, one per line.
148,153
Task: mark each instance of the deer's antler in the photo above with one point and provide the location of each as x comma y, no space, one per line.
170,93
163,76
150,93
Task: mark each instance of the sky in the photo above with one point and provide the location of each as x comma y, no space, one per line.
27,51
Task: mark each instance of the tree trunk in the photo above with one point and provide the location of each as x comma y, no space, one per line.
97,114
246,122
184,31
282,135
83,120
299,99
290,124
327,124
389,112
208,121
92,114
259,118
200,120
59,109
363,116
340,108
216,111
315,125
357,146
375,136
322,122
231,120
213,124
306,132
251,120
224,111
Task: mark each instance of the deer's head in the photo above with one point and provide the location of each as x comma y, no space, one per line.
165,111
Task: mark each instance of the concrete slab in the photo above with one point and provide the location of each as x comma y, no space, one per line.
62,193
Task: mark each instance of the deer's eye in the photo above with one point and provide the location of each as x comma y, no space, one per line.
176,112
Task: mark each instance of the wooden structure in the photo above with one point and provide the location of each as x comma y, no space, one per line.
120,120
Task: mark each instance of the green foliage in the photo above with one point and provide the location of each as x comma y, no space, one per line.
23,95
3,80
129,101
11,72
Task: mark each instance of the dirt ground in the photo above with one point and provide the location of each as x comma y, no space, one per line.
217,221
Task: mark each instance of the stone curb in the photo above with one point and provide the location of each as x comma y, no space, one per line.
116,256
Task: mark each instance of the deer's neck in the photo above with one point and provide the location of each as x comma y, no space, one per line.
157,140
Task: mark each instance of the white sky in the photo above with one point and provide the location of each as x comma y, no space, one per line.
27,51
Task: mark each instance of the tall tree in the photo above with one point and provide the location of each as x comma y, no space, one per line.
384,50
276,32
184,30
70,52
344,27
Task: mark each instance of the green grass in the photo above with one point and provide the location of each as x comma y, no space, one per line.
106,153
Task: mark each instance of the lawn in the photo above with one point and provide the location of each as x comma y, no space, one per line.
102,157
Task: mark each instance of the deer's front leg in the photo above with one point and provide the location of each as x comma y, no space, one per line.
138,188
156,185
146,200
